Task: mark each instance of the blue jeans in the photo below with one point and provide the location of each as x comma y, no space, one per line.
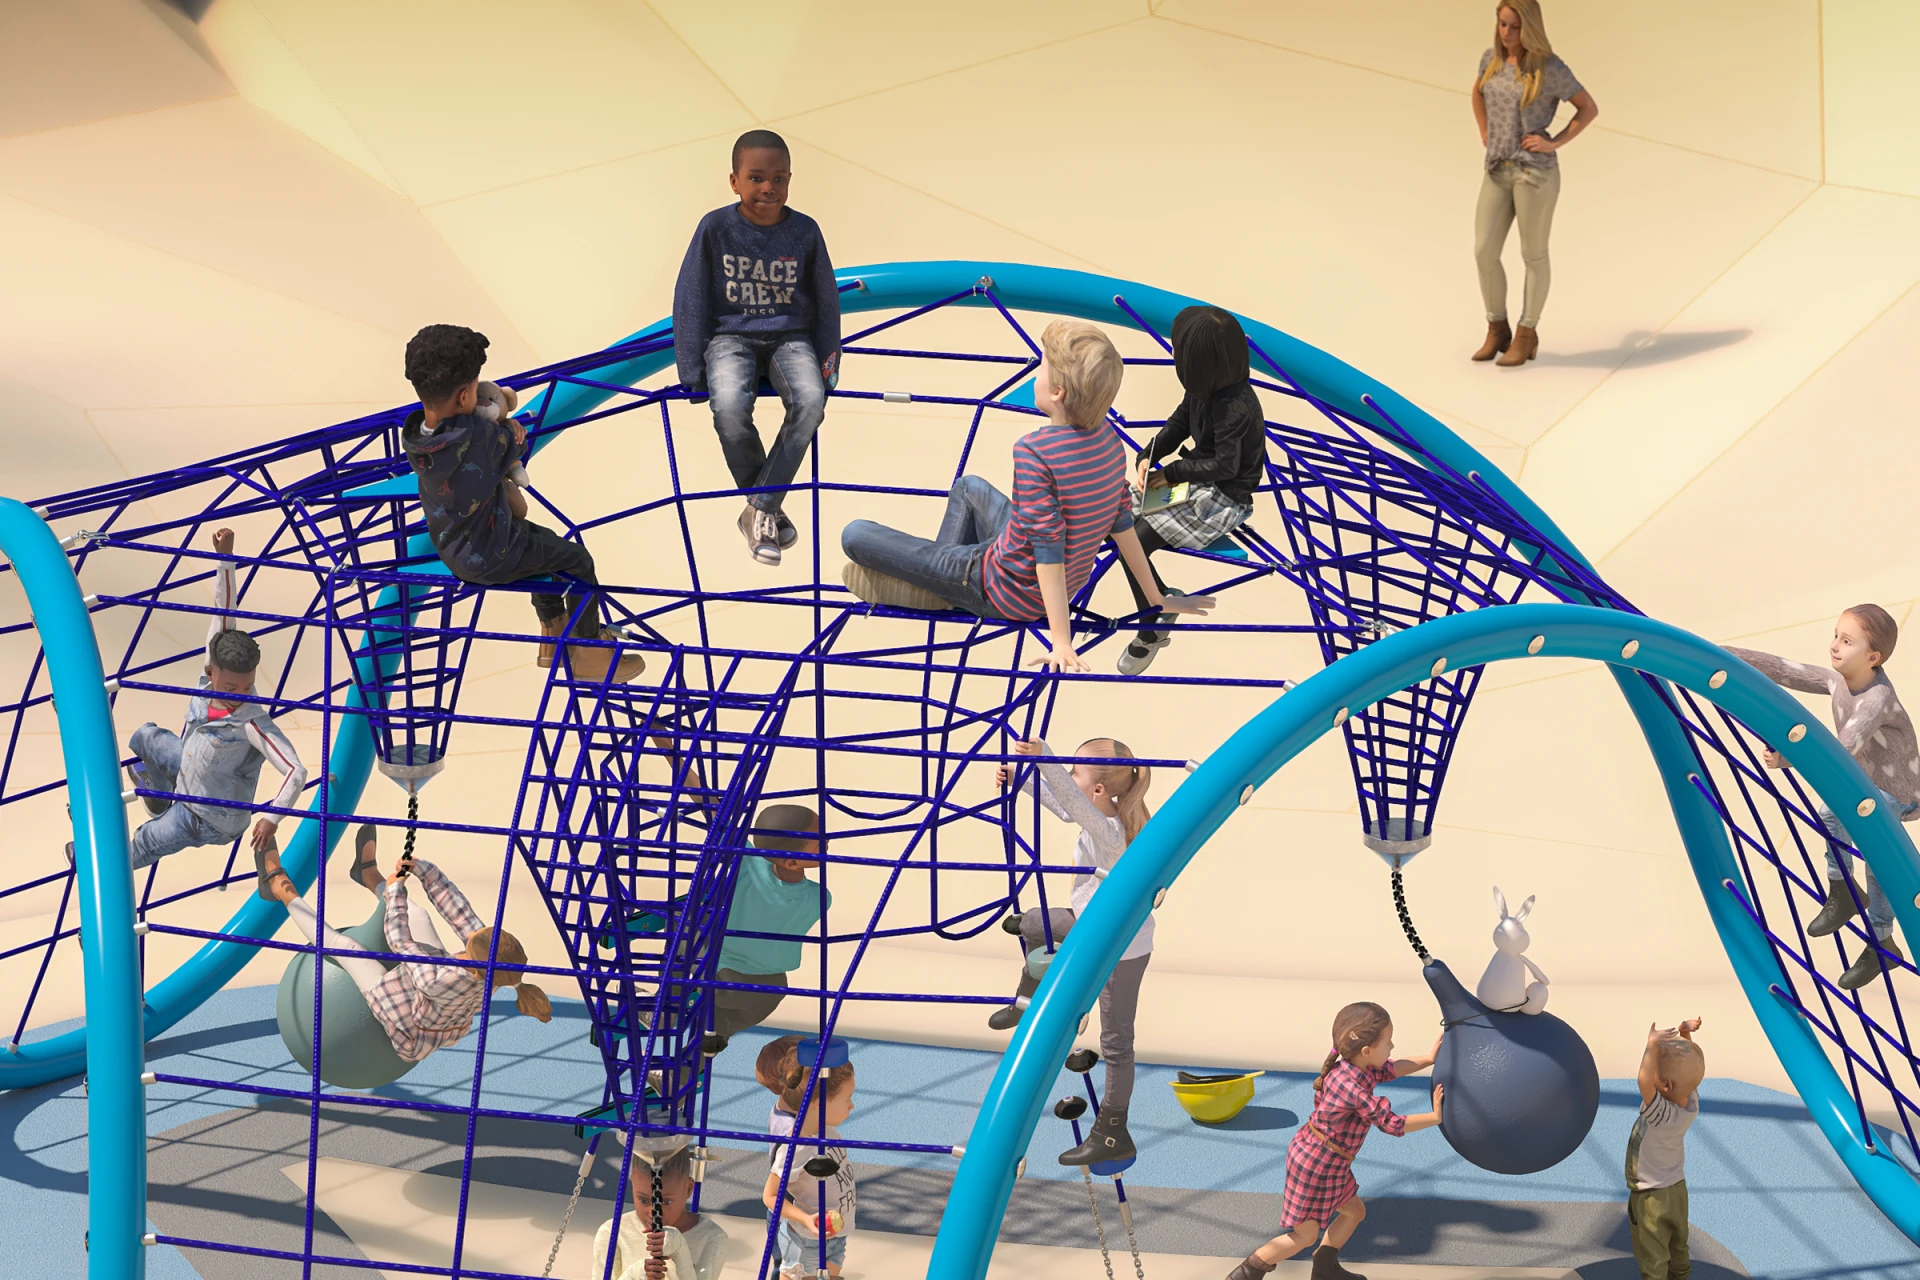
949,566
734,367
1879,910
800,1253
179,827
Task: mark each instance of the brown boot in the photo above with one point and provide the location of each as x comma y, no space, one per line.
1499,338
1526,345
1251,1269
553,628
592,664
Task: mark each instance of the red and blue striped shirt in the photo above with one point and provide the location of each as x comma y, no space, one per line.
1069,495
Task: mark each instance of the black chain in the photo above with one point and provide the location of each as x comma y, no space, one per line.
1406,920
413,817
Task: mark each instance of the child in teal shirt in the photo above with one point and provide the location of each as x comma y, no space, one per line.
770,895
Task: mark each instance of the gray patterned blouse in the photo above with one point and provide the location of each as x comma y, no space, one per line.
1508,122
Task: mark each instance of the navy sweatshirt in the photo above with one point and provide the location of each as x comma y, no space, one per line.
759,282
461,465
1226,439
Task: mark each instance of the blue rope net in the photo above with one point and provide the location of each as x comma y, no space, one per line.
635,802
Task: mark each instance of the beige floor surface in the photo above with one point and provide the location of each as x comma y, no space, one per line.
221,234
400,1217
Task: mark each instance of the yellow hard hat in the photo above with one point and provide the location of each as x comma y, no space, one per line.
1213,1099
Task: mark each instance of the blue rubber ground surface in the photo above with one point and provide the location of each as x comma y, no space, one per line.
1761,1178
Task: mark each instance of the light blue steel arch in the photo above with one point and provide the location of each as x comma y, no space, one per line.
1300,716
110,963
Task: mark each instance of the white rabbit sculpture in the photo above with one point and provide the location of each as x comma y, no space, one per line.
1504,986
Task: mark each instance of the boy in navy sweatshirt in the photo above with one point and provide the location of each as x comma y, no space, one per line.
476,519
756,296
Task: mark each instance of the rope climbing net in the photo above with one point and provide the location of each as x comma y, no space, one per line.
620,813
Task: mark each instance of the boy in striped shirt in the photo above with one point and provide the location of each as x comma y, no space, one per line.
1023,558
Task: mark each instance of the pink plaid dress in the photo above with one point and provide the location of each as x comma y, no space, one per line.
1319,1180
427,1006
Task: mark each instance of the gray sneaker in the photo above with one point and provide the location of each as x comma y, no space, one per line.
761,529
1139,654
137,777
788,535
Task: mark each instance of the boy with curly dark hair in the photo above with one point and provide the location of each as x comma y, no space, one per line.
756,297
476,517
217,754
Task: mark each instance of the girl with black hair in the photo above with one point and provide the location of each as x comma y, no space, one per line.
1221,425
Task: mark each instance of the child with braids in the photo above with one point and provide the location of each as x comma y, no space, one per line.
1109,804
1321,1191
689,1246
816,1211
1871,724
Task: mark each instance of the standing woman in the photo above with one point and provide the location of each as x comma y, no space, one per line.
1520,86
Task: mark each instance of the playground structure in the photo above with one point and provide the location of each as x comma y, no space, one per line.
635,802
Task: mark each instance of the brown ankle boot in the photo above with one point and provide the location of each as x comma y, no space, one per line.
1499,338
1526,345
592,664
553,629
1251,1269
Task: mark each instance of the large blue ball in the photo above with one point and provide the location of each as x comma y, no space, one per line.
1522,1089
355,1052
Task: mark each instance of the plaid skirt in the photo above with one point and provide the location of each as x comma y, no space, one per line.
1196,523
1318,1181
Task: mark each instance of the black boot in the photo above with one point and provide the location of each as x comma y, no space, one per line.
1866,967
1008,1018
1252,1269
1326,1265
1840,907
1108,1139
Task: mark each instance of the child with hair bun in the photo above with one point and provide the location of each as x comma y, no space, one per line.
1109,803
1321,1191
1872,725
817,1215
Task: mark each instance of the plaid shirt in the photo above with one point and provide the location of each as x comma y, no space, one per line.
1319,1181
427,1006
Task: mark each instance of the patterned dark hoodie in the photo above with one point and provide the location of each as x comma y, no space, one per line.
461,466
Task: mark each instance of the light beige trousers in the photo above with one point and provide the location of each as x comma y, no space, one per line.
1513,191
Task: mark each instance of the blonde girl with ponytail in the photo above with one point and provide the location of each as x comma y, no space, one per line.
1321,1191
1108,801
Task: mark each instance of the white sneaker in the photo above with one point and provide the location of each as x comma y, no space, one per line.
1139,654
761,529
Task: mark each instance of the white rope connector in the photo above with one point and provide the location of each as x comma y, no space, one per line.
91,600
1439,666
1536,644
1796,733
959,1153
1099,873
42,512
1192,765
1020,1170
1630,648
150,1239
1717,679
1021,1002
128,796
1865,808
1246,794
140,928
897,397
113,685
149,1078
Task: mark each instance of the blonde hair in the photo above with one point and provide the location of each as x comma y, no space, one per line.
1535,48
528,998
1086,367
1882,631
1684,1063
790,1078
1126,783
1355,1027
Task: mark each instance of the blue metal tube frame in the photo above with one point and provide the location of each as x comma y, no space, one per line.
115,1054
1191,815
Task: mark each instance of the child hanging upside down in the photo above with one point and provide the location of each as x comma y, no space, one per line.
1109,802
422,1006
476,516
1871,724
1321,1191
218,753
1023,558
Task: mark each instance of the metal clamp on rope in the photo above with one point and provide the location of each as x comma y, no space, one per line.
149,1077
83,538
